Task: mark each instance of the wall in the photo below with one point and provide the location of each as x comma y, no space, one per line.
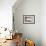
43,22
6,13
30,31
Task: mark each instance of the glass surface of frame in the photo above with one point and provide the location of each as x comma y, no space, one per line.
28,19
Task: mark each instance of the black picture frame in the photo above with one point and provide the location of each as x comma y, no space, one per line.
28,19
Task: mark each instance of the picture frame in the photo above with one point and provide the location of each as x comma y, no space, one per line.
28,19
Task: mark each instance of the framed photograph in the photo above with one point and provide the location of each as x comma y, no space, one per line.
28,19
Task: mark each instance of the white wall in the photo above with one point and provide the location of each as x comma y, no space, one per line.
43,22
6,13
31,31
